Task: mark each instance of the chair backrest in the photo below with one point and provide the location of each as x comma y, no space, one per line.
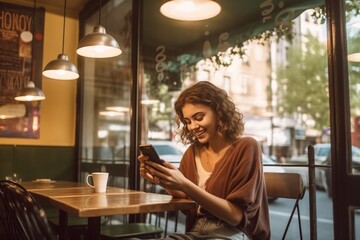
284,185
20,215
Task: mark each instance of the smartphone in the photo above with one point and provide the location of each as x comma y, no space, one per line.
149,150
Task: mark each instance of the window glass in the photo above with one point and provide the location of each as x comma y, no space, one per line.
353,37
280,86
106,97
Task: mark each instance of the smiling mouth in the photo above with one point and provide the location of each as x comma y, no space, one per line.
199,134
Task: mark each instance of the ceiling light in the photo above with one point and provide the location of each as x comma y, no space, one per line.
98,44
118,109
190,10
30,93
146,101
61,68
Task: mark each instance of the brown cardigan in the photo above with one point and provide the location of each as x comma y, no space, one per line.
237,177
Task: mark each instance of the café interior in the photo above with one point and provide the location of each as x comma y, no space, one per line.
95,119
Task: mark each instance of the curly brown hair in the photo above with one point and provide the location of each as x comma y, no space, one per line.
231,123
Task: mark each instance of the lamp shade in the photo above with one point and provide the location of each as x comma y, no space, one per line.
190,10
30,93
61,69
98,44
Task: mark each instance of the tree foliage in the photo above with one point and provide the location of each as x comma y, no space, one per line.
303,84
354,73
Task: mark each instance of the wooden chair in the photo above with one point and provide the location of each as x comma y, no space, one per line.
286,185
21,216
130,230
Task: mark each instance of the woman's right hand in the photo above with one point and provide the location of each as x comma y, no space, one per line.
144,171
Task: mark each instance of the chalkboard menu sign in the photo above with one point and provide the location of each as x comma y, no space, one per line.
21,52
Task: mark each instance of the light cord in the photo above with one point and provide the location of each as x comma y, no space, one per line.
63,42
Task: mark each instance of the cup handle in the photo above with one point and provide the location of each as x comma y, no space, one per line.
87,181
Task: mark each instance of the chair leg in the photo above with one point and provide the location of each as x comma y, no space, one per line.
176,220
299,220
290,218
166,223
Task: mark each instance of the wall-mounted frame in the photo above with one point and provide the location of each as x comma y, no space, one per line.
21,53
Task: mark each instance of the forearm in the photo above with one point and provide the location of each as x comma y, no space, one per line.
219,207
176,193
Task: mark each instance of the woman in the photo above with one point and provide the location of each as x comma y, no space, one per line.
221,170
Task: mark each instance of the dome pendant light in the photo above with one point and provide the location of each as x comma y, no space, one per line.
98,44
30,92
61,68
190,10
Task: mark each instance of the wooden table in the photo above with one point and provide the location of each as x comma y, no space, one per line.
80,200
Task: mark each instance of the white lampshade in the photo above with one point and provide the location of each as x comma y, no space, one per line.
190,10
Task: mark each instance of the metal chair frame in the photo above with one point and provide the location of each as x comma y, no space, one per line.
286,185
20,215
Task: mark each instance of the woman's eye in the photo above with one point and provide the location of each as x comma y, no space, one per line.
199,118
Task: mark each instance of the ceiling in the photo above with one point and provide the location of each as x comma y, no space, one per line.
241,19
73,5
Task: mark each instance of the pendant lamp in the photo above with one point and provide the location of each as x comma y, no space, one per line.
190,10
61,68
98,44
30,92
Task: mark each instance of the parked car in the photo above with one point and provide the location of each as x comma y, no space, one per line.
266,168
269,161
168,151
322,157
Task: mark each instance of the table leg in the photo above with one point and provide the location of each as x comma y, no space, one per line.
94,228
63,225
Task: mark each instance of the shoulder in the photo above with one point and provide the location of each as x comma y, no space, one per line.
246,142
246,148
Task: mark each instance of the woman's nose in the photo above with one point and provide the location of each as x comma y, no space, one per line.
193,126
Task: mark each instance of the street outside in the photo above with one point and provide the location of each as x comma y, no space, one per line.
280,211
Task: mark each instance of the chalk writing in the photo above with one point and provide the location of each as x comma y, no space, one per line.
15,21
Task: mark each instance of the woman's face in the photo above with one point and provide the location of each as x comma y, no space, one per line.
201,121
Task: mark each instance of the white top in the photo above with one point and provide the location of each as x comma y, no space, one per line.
203,175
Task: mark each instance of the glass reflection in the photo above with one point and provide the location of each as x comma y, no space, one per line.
353,45
106,100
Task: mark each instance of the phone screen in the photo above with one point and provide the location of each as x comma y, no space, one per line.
149,150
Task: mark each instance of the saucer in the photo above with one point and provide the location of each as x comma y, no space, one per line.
44,180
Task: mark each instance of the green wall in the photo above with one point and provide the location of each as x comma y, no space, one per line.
32,162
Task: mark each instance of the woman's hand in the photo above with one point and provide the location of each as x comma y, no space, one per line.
167,176
144,170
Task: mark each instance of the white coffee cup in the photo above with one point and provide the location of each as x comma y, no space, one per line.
100,180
